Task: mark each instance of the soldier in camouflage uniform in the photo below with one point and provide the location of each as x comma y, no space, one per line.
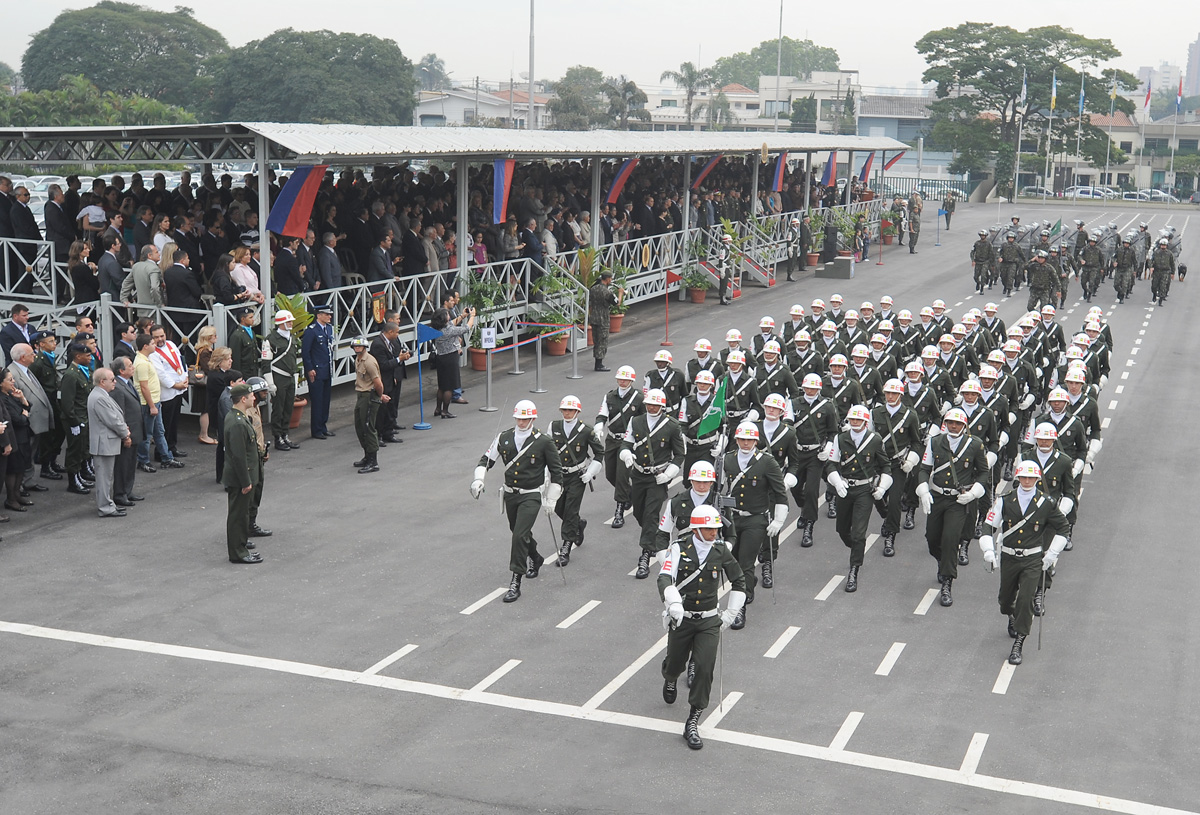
1042,278
601,301
1163,264
1125,261
1093,262
1011,259
984,258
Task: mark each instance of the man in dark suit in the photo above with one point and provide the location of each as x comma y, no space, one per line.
182,235
24,227
362,241
110,274
6,203
304,256
116,228
329,268
143,231
534,249
17,330
415,260
183,291
287,269
391,355
126,397
379,265
60,229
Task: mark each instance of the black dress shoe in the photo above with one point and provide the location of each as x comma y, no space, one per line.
252,558
14,507
392,440
123,502
330,433
257,531
37,488
147,468
172,464
178,454
132,497
77,487
120,513
50,475
319,436
250,547
402,427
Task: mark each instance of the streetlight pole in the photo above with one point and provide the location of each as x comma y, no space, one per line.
778,67
532,121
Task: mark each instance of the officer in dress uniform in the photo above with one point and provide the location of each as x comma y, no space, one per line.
777,437
793,325
677,512
993,324
882,356
241,474
1029,536
527,454
581,456
766,333
653,449
666,378
773,376
843,392
851,333
733,342
900,433
756,497
815,419
1058,484
802,358
246,346
830,344
953,473
688,584
981,424
620,405
857,473
316,351
74,389
816,316
869,380
283,375
259,388
795,248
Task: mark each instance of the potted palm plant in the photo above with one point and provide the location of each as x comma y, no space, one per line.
813,250
486,296
303,318
556,344
697,284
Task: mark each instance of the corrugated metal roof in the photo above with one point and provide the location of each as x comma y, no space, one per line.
903,107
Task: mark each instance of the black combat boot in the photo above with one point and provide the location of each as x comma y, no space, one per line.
582,528
691,671
852,580
643,567
1070,545
964,557
1014,657
600,366
1012,626
768,580
257,531
691,729
618,516
76,485
514,588
889,544
564,554
287,437
535,565
806,540
739,621
947,599
372,465
910,519
49,473
670,692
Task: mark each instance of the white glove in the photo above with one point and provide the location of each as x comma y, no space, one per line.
1026,401
667,475
989,556
910,461
1045,362
1094,447
935,430
476,488
789,480
737,599
1057,544
719,445
838,483
271,386
991,459
1077,467
1040,373
626,457
592,471
958,400
925,498
76,429
600,430
885,483
1103,381
825,452
673,602
1065,505
1049,559
550,498
965,498
945,407
987,544
778,520
751,415
1004,438
1012,418
1062,358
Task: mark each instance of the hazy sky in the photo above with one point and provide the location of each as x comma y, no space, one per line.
642,38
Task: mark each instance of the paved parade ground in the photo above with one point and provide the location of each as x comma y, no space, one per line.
368,666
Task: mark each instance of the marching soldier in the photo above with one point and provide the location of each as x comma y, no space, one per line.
1042,278
653,449
943,320
795,248
900,433
772,375
835,314
778,438
620,405
1092,262
885,309
691,415
938,378
688,585
909,338
815,419
703,361
526,454
869,380
1012,258
984,258
953,473
798,323
923,400
1058,484
758,500
830,344
766,334
981,424
852,333
993,324
1125,261
581,457
677,513
733,339
1064,266
1029,537
843,392
1081,238
741,392
1163,271
74,389
858,473
867,320
816,316
284,351
803,359
883,354
949,361
666,378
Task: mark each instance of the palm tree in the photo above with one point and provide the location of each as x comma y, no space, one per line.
431,73
625,100
692,80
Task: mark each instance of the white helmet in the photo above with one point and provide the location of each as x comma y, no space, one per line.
524,410
736,358
970,386
1045,430
570,403
926,311
929,352
947,338
991,308
851,315
733,335
811,381
914,367
904,314
885,301
702,471
1082,339
1076,374
772,347
818,305
838,359
1048,310
970,318
626,372
1092,325
860,350
878,338
1011,347
705,516
996,356
866,306
655,396
958,329
797,310
284,316
774,400
988,372
858,413
939,304
884,325
705,378
828,325
893,386
766,322
836,300
746,430
1027,469
664,356
802,336
702,345
955,415
1075,352
1058,395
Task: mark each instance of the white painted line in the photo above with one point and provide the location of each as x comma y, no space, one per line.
714,718
1112,405
483,601
1070,311
620,679
874,536
969,296
846,731
912,769
574,618
1125,374
889,661
610,520
974,752
792,530
781,643
959,303
496,675
1006,674
1135,350
633,571
1143,331
1129,363
1137,341
926,602
1120,389
833,583
1105,422
386,661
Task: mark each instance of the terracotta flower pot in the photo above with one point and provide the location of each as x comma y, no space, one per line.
812,258
887,240
697,295
614,324
297,413
478,358
556,346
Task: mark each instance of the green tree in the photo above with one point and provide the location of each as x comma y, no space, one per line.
804,114
800,59
128,49
577,100
7,76
431,73
317,76
625,101
717,112
79,103
693,80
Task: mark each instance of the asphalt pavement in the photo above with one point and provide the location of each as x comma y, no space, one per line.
368,666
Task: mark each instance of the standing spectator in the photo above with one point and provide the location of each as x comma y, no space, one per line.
216,380
7,434
510,243
416,261
304,256
244,276
242,473
584,222
73,403
173,382
198,379
46,373
549,241
161,234
40,407
16,330
360,238
16,408
144,284
143,229
316,352
60,228
24,227
433,261
246,345
183,292
126,339
391,355
185,240
379,265
116,229
107,436
288,278
225,291
449,348
150,395
125,395
83,274
110,274
329,268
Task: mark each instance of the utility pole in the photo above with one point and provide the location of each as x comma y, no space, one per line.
531,122
778,67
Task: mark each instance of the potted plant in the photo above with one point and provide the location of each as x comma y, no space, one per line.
303,318
556,344
616,314
889,232
813,250
487,296
697,284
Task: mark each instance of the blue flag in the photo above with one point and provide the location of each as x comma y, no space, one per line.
425,333
941,212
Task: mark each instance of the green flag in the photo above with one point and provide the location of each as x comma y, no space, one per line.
714,414
1054,230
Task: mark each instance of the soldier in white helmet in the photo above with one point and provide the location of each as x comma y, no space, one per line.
704,360
677,512
667,378
798,322
725,269
582,458
742,402
766,333
527,454
700,447
777,436
858,472
733,342
815,419
285,350
1029,534
620,405
653,449
899,428
773,374
802,358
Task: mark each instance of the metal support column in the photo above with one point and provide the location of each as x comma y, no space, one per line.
263,167
596,232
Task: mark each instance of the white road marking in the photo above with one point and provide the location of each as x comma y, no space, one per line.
620,679
926,601
1006,674
969,296
1125,374
1143,331
889,661
1134,350
815,752
781,643
1070,311
496,675
1112,405
388,660
1120,389
1105,422
974,753
633,571
1129,363
483,601
714,718
874,536
610,520
833,583
846,731
1138,341
574,618
959,303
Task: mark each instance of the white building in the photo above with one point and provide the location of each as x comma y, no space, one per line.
828,88
460,107
668,108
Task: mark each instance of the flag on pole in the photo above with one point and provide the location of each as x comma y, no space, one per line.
1053,90
893,160
673,277
830,169
714,414
502,180
780,169
618,182
866,167
1024,92
1054,230
1112,94
1082,81
294,205
1179,97
427,333
1146,104
708,168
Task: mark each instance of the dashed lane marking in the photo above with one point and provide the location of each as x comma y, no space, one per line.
1006,675
578,615
889,660
1105,422
833,583
781,643
974,753
874,536
714,718
1125,374
1112,405
1138,341
926,601
1134,350
388,660
483,601
846,731
1120,389
496,675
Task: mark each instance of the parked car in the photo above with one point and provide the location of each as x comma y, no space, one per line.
1195,198
1036,192
1135,196
1084,192
1162,197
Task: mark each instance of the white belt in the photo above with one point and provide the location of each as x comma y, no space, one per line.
934,488
521,491
649,470
700,615
1037,550
858,482
808,448
706,440
576,468
743,513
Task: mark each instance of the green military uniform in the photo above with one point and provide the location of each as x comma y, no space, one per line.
859,461
870,382
1125,260
524,479
795,249
601,301
50,442
752,493
776,379
256,494
699,448
1081,239
851,337
366,403
670,381
791,328
741,396
1064,264
1012,257
815,423
801,364
74,389
577,448
948,209
613,420
711,364
284,349
1041,276
900,435
759,341
780,442
246,348
654,451
243,468
1092,261
699,635
1163,265
677,515
950,471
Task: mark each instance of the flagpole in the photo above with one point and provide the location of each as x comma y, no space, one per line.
1050,133
1079,125
667,299
1112,107
1019,115
1142,144
1174,141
